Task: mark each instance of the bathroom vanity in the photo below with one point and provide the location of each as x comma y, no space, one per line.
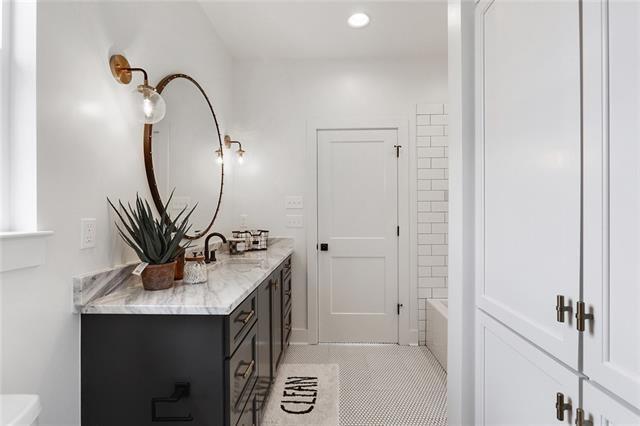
203,354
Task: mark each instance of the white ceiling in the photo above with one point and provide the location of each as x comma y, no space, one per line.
318,29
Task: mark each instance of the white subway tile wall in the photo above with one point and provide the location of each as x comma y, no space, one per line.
433,206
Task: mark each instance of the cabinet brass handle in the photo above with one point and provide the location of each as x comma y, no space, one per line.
561,406
582,316
247,316
247,372
274,284
561,308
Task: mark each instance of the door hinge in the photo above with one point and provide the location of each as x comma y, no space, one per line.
398,230
582,316
397,147
400,305
561,406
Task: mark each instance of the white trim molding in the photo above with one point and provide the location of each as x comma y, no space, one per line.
20,250
407,323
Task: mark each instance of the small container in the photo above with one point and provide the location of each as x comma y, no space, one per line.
254,240
237,246
195,269
260,239
246,236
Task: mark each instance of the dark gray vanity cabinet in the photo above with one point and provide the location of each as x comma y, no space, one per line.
276,320
204,370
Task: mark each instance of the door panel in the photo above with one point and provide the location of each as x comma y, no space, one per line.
612,196
604,410
517,383
528,165
357,218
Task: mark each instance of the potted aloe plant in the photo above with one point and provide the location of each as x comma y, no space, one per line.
155,241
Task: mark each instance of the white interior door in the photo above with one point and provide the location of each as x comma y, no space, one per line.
604,410
516,383
612,195
528,165
357,219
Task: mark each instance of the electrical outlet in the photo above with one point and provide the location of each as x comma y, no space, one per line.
87,233
293,202
294,221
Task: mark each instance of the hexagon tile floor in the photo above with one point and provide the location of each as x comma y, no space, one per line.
383,385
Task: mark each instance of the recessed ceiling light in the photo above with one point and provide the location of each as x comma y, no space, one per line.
359,20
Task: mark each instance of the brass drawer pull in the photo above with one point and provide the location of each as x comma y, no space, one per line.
274,284
247,316
248,370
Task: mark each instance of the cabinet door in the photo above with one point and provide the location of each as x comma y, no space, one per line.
604,410
528,167
276,321
517,384
612,195
263,384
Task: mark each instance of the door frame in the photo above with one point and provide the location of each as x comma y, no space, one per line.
407,283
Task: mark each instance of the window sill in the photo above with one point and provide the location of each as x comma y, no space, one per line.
20,250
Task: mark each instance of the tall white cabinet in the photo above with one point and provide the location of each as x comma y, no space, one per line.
558,212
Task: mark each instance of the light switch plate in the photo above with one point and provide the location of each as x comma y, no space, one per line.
295,221
87,233
293,202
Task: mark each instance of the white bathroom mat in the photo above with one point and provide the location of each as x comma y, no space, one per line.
304,395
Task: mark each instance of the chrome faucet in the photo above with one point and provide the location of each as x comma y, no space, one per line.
208,258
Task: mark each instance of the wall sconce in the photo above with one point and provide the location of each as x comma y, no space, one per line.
228,142
150,107
219,156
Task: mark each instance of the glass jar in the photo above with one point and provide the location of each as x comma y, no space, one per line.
195,270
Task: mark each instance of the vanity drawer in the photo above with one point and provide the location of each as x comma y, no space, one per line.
286,267
242,373
251,413
286,328
241,320
286,293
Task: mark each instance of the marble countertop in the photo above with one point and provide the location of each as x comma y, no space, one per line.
231,280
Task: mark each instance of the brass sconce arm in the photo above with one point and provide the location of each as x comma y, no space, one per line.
122,71
228,142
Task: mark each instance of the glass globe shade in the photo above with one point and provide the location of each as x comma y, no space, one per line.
149,106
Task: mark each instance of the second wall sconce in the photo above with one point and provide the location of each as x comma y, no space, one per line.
227,143
150,107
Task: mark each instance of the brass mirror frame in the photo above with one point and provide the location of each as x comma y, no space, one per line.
148,154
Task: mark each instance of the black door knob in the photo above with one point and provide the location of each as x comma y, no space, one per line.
324,247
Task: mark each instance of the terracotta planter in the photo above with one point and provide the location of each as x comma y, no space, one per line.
158,277
179,267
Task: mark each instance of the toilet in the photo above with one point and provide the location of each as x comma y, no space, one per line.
19,410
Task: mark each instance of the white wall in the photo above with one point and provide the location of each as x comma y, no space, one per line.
88,148
272,101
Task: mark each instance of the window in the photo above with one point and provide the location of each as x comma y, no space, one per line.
5,152
18,157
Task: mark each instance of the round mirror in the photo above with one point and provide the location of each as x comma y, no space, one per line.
180,154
